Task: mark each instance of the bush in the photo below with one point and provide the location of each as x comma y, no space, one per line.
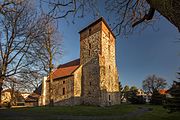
134,99
172,102
6,104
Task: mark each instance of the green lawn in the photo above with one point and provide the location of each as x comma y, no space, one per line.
158,113
77,110
53,113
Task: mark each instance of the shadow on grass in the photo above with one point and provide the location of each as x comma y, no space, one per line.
123,111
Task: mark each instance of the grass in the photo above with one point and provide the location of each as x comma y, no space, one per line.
158,113
51,113
79,110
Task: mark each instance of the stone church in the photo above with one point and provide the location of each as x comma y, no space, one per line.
92,79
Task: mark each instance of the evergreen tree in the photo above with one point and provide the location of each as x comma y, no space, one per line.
121,91
134,98
172,102
124,93
133,88
157,98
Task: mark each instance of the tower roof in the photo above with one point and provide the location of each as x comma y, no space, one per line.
95,22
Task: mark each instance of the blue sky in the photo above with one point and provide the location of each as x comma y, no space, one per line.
141,54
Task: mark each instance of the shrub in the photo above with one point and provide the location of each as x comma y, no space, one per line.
172,101
157,98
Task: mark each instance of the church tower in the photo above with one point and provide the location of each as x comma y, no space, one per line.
100,83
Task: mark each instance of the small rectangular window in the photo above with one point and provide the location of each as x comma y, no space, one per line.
90,31
63,82
109,97
89,49
89,52
90,83
108,34
89,45
63,91
100,48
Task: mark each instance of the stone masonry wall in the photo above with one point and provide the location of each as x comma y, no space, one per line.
90,48
90,83
77,82
96,81
100,85
66,83
47,93
63,92
77,86
109,83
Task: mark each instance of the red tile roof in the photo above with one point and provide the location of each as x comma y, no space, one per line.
162,91
66,69
71,63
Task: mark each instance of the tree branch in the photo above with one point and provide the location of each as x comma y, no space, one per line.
148,16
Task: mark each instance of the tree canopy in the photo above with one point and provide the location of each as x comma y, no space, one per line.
127,13
153,83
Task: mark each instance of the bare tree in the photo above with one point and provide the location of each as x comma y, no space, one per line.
126,14
130,13
26,40
153,83
11,84
4,6
169,9
13,45
30,79
26,81
47,49
19,29
63,9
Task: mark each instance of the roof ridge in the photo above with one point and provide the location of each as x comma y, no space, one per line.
70,63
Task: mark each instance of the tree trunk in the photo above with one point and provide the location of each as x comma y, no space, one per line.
51,101
13,96
0,91
170,9
1,84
